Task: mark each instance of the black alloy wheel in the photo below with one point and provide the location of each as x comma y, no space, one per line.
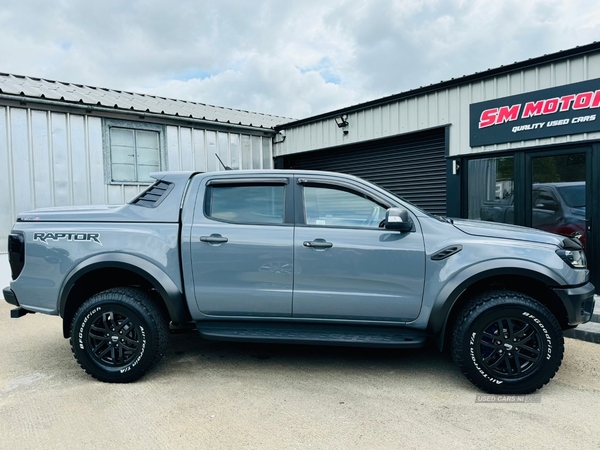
114,339
506,342
119,334
509,347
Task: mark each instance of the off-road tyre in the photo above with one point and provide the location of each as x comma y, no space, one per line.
119,334
507,343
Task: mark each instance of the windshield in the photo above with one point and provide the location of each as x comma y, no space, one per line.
574,196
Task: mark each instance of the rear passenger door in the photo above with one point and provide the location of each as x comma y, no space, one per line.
242,247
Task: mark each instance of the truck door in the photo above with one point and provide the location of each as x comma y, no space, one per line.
547,211
242,247
345,265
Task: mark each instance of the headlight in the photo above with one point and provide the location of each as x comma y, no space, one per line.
574,258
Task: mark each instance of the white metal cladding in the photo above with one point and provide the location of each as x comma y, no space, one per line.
56,159
443,107
195,149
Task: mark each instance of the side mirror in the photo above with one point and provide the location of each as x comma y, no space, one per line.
398,219
549,205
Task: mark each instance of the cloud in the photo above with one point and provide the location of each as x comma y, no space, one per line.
288,58
262,85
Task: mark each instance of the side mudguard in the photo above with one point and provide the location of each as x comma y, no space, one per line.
448,296
164,285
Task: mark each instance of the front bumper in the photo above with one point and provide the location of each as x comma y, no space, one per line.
579,303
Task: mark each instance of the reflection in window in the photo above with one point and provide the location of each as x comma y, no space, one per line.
573,194
558,194
490,189
246,204
334,207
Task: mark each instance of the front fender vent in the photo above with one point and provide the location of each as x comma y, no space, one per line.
446,252
154,195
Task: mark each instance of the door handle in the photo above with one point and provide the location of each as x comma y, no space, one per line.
214,239
317,243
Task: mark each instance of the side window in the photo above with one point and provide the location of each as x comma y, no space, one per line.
336,207
250,204
546,200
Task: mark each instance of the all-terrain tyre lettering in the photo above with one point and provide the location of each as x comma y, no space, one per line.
119,334
507,343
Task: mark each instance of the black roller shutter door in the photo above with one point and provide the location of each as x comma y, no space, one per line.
411,166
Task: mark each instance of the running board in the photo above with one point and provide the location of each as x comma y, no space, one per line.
313,334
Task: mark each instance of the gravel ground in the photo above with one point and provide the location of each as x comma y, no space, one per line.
239,396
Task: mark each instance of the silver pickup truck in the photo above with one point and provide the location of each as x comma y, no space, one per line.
297,257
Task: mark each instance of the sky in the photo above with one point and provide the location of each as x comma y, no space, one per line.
283,57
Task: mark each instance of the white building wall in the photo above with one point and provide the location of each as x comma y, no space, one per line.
443,107
195,149
56,159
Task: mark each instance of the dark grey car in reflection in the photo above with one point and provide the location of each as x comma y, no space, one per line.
557,208
560,208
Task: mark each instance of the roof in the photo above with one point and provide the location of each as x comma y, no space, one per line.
39,88
573,52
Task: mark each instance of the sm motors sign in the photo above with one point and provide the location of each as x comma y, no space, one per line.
569,109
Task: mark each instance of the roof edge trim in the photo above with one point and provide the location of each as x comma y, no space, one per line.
88,109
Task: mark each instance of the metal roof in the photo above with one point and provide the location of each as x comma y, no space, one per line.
23,86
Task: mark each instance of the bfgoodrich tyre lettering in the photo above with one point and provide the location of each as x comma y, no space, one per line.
119,334
546,334
507,343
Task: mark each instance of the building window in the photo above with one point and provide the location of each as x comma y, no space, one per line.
132,151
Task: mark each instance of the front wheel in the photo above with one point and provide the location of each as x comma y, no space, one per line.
119,334
507,343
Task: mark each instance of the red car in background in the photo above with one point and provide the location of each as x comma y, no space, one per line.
560,208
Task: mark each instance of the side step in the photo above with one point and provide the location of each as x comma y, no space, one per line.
313,334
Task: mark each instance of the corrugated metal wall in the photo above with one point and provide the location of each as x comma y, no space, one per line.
446,106
195,149
56,159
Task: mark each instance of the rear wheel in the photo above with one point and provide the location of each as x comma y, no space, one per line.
119,334
507,343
